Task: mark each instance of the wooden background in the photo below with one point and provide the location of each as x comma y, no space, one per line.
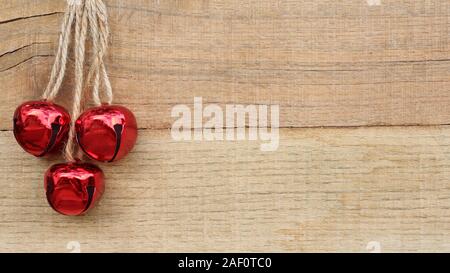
364,157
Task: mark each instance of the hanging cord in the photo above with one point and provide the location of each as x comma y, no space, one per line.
98,19
88,15
59,67
80,46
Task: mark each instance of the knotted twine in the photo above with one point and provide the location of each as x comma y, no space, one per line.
88,16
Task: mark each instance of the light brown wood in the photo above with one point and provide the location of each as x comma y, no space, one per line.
347,65
326,63
323,190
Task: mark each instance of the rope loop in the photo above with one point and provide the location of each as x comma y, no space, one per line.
86,17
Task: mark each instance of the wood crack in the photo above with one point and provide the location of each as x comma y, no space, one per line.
305,127
26,60
29,17
23,47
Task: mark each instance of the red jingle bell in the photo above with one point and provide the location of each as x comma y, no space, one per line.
107,133
73,188
41,126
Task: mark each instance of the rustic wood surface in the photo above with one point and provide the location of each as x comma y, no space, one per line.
364,157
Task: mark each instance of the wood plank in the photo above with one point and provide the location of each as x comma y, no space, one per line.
323,190
326,63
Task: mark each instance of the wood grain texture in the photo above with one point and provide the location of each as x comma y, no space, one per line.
346,65
326,63
323,190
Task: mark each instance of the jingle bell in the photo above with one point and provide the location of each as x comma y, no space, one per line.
41,127
107,133
74,188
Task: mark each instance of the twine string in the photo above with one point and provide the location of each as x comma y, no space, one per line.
98,20
81,28
59,66
88,16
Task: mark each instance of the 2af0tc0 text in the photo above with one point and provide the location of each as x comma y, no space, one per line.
246,262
